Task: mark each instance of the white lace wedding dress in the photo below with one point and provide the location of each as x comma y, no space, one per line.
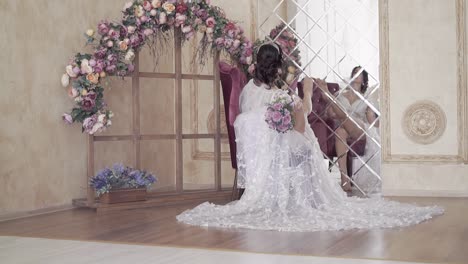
288,186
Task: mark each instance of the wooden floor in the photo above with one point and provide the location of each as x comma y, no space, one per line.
443,239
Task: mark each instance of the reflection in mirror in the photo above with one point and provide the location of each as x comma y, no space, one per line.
338,42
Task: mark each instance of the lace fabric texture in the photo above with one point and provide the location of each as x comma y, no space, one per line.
288,186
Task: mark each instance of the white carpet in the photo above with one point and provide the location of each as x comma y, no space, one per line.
19,250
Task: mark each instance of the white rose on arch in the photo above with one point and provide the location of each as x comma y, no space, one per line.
129,56
65,80
70,72
85,68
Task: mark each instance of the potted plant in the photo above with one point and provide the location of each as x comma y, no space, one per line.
121,184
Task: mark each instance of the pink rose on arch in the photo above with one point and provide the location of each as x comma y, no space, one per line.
219,42
181,8
130,67
180,19
114,34
248,52
202,13
189,35
186,29
147,6
67,119
143,19
228,43
148,32
89,123
230,26
103,27
251,69
111,68
210,22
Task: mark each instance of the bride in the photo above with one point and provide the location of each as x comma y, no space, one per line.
287,185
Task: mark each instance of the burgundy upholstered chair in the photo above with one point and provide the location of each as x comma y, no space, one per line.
323,126
232,82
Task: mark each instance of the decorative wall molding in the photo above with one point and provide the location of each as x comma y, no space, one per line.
424,122
462,104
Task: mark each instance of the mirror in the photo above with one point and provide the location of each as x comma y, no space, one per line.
337,40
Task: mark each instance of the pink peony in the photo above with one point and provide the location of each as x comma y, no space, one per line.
219,43
248,60
283,128
276,116
114,34
181,8
210,22
89,123
180,19
67,119
147,6
148,32
230,26
72,92
287,119
103,27
76,70
228,43
202,13
187,29
278,106
189,35
251,69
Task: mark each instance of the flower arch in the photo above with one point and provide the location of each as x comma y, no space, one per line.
144,21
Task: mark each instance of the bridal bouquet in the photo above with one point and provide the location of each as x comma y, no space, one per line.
279,113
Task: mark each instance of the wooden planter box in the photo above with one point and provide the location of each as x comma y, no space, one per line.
123,196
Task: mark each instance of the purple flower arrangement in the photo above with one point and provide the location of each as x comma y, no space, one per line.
120,177
279,113
116,44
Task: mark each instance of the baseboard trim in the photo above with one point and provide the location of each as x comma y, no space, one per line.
425,193
24,214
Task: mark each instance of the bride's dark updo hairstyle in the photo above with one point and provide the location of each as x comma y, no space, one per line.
269,60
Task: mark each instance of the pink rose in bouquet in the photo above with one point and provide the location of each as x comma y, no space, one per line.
278,115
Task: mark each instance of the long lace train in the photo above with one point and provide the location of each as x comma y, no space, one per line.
288,187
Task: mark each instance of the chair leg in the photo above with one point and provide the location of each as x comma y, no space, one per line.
235,191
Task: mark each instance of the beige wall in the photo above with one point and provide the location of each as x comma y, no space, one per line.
423,63
43,162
